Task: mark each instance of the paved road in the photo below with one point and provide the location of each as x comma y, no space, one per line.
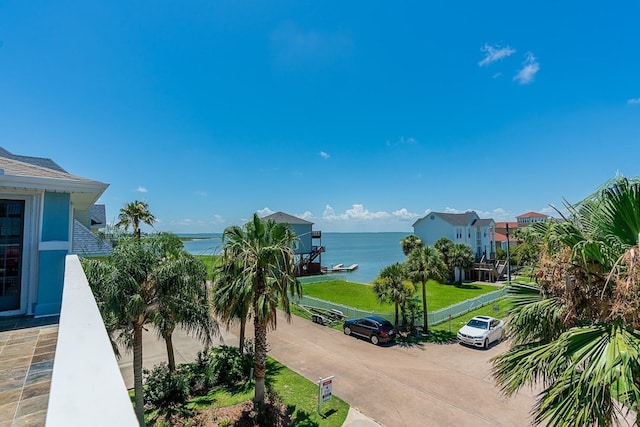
421,385
431,385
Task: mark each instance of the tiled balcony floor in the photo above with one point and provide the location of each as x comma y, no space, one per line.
27,349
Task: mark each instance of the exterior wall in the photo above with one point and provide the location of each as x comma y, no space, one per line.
486,245
84,216
303,232
432,227
54,246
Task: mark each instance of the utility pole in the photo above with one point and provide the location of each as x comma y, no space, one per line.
508,260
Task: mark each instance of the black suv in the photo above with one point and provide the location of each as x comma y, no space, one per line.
374,328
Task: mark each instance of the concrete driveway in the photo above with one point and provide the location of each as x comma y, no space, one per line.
395,385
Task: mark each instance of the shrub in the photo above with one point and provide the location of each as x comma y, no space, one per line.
229,367
165,390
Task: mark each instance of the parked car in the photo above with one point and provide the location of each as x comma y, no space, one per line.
374,328
481,331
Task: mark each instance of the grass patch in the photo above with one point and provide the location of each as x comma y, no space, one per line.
301,397
298,393
210,261
445,332
362,296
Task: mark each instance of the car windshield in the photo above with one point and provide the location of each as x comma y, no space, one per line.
387,324
479,324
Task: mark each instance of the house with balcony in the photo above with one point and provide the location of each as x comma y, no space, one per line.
468,228
58,366
44,211
531,218
309,247
465,227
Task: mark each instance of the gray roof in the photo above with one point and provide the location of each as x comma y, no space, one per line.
459,220
14,167
483,222
36,161
87,243
98,215
281,217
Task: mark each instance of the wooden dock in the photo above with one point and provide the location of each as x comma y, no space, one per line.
342,267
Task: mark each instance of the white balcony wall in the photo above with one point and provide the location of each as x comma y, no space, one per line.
86,386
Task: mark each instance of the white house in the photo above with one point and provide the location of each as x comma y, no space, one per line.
466,228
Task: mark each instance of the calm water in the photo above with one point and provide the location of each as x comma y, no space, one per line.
371,251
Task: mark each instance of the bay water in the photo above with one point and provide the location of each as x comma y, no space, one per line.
371,251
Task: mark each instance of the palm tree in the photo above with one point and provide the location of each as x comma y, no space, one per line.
445,246
145,281
424,264
232,298
578,331
409,243
134,213
391,286
180,286
264,251
461,259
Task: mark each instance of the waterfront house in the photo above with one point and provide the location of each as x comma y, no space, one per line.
530,218
466,228
309,245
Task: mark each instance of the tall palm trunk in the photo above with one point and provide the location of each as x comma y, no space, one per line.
260,358
397,317
171,357
260,337
425,318
243,326
137,372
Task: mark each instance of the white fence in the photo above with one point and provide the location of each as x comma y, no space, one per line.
435,317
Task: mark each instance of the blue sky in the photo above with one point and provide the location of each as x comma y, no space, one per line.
358,116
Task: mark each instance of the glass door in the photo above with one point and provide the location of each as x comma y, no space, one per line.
11,238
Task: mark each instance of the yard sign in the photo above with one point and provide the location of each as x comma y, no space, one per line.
324,390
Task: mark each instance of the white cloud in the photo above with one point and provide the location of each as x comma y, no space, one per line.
357,212
494,53
264,212
530,68
633,101
141,189
324,155
405,214
307,215
201,193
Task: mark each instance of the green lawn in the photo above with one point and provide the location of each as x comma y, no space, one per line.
362,297
209,261
298,393
497,309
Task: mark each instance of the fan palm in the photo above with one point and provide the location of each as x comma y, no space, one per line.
425,263
145,281
391,286
232,298
409,243
461,259
263,251
133,214
577,333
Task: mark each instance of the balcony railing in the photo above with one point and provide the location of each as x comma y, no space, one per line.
86,387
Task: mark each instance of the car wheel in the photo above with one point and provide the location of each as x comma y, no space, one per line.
374,339
347,330
486,343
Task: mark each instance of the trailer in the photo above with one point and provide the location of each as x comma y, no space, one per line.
323,316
